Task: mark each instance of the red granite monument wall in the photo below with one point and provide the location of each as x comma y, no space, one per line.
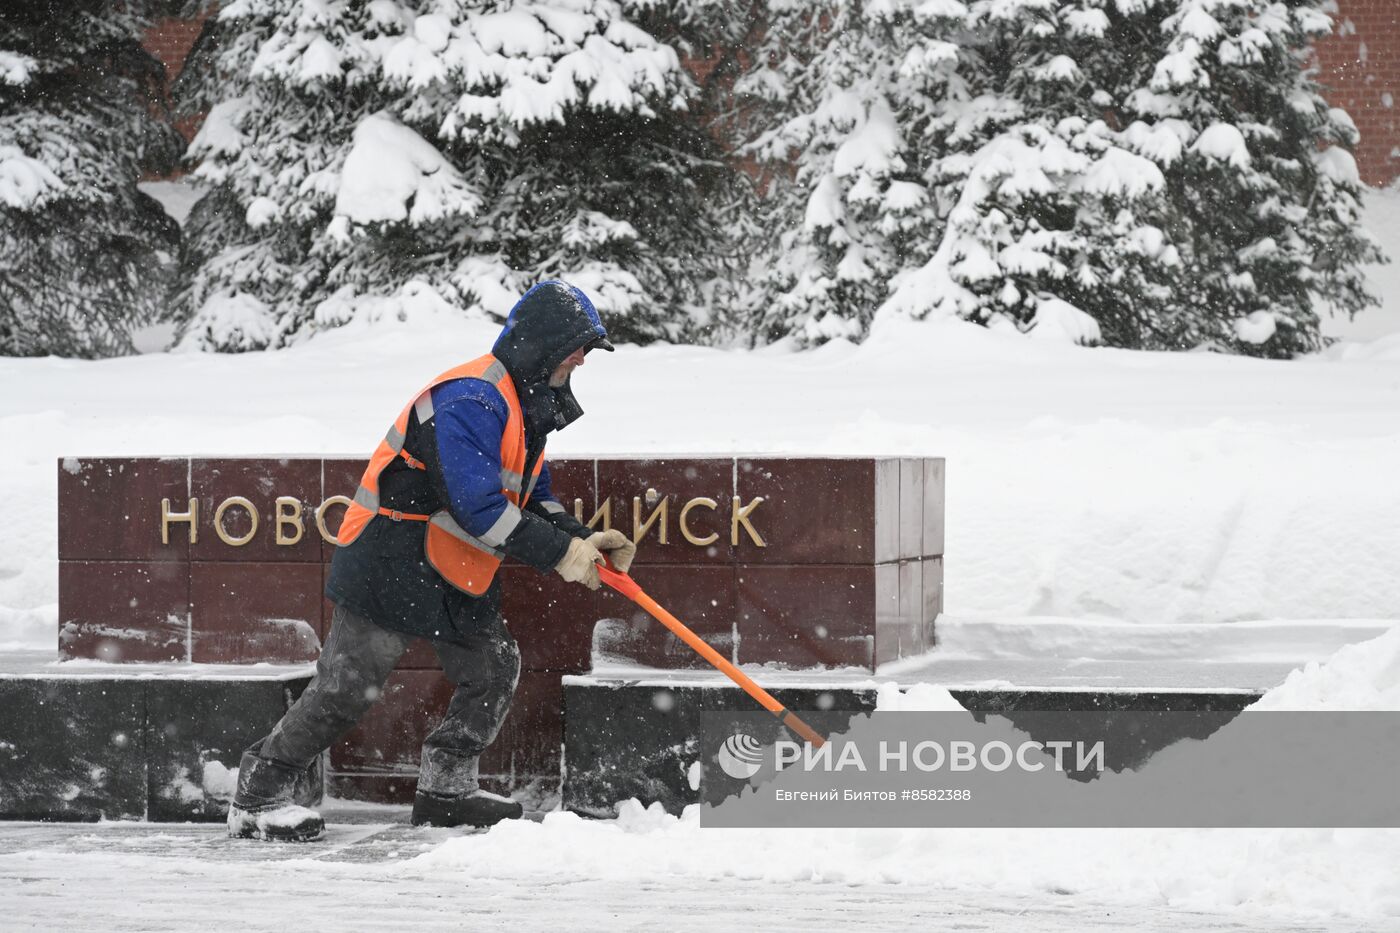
788,561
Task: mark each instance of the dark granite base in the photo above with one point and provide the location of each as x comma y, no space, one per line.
641,741
72,750
628,739
88,748
197,725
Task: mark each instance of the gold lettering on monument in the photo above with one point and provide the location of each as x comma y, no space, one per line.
167,516
703,502
741,517
661,514
224,506
288,512
326,536
290,523
639,529
604,512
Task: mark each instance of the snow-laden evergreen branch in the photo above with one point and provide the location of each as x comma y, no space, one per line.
85,256
362,154
1145,173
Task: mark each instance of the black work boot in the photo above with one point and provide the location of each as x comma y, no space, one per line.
449,795
478,808
265,807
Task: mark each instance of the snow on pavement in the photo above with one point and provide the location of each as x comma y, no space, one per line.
626,873
91,881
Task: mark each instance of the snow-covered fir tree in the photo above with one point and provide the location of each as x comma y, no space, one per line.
1262,194
1053,221
1149,173
369,159
716,39
84,254
846,192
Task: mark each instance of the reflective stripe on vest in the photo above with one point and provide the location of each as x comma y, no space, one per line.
465,560
424,406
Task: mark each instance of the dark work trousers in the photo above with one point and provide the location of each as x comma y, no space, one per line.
356,660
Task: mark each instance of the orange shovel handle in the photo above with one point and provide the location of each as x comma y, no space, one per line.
628,587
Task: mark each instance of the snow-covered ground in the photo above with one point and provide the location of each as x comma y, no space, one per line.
377,877
648,870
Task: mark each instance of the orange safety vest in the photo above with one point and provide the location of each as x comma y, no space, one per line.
466,561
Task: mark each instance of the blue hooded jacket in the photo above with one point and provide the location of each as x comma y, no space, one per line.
384,575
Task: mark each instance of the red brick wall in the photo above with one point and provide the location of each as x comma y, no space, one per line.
1360,67
170,40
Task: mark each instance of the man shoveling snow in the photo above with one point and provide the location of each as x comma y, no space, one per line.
458,483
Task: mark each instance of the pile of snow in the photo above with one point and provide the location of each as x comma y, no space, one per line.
1382,350
1364,676
1056,319
1293,873
219,781
919,698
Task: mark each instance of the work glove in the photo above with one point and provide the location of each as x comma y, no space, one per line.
580,563
616,545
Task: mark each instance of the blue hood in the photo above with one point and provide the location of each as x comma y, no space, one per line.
551,321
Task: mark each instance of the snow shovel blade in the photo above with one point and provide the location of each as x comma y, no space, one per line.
628,587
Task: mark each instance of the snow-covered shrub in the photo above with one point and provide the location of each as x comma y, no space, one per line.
1166,168
84,255
471,148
